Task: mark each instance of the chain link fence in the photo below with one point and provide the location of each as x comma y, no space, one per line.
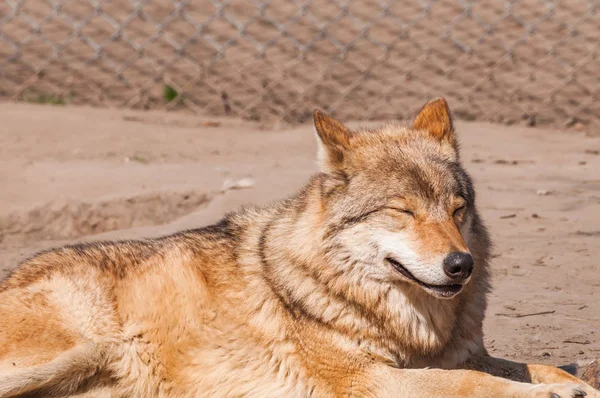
275,60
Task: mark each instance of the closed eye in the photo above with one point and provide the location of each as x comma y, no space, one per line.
458,210
401,210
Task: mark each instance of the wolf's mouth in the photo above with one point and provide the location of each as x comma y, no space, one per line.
439,290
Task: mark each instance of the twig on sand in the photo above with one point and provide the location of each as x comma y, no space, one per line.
584,342
524,315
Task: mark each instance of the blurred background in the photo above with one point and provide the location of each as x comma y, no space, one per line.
508,61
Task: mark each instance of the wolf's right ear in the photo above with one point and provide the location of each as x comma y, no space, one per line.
333,140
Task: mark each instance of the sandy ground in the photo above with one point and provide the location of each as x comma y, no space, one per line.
71,174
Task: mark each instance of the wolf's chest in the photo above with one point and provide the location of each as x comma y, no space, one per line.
225,367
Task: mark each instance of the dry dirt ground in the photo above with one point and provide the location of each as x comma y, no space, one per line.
73,174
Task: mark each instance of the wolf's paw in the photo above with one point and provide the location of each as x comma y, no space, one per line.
569,390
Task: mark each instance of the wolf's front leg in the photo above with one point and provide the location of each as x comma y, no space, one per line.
530,373
384,381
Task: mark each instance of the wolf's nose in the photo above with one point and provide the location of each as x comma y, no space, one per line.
458,265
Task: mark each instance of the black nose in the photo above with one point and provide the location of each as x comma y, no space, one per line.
458,265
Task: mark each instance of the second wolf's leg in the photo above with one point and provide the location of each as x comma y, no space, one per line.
383,381
531,373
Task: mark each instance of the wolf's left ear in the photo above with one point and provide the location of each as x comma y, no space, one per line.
435,118
333,140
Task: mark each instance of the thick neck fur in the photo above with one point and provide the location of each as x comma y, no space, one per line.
315,280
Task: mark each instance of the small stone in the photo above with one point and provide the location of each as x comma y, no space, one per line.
244,183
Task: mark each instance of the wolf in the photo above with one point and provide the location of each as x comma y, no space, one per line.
371,281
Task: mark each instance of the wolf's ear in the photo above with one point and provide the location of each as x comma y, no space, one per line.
435,118
333,140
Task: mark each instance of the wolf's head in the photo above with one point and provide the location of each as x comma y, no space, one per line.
399,207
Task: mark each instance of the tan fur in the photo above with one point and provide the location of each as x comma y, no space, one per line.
435,118
301,298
